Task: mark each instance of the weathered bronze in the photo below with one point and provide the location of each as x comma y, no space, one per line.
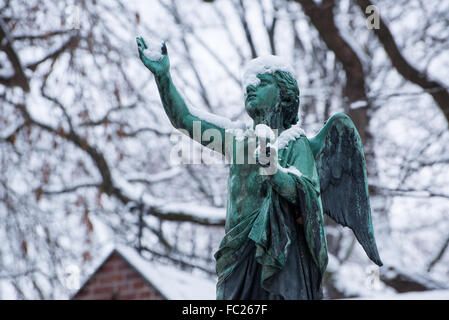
275,245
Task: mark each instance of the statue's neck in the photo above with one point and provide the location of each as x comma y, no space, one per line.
273,120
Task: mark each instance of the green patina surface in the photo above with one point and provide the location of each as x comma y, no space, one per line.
261,208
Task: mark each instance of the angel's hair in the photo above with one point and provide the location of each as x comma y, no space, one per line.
289,92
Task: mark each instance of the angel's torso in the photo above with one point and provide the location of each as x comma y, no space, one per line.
246,187
246,191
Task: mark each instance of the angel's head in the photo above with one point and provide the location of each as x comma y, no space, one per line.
272,93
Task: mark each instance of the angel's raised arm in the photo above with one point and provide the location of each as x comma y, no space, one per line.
155,58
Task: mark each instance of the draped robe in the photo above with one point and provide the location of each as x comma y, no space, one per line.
267,254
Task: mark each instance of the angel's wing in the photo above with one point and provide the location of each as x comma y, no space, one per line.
344,190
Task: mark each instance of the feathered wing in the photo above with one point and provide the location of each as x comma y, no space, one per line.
340,161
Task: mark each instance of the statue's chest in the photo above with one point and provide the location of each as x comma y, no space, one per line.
245,181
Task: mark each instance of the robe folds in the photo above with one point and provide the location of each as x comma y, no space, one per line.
267,254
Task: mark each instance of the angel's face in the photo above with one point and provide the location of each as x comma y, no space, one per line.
262,99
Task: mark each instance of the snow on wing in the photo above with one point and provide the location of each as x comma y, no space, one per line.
340,161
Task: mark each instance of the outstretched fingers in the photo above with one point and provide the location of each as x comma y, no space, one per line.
141,44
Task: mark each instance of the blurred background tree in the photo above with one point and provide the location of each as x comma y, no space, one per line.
85,145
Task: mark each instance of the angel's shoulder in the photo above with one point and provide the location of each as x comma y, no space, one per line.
300,148
290,136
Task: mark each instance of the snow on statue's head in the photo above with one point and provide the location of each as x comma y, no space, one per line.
284,77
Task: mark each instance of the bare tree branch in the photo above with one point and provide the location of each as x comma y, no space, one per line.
270,27
439,255
18,78
70,43
436,89
322,17
70,189
241,12
179,262
42,36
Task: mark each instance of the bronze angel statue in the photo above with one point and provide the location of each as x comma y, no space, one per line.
275,245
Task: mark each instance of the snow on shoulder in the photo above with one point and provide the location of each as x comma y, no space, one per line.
262,65
292,133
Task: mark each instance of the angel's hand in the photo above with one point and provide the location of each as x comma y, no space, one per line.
266,151
268,160
154,56
263,159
